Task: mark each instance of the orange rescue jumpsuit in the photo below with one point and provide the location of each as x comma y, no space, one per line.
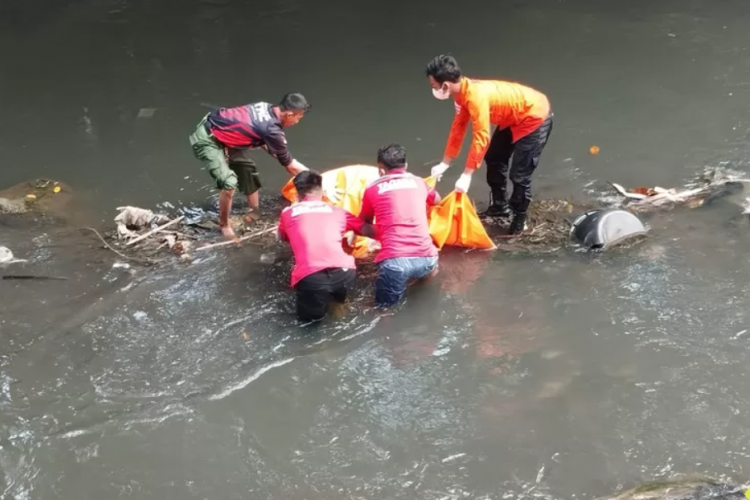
518,112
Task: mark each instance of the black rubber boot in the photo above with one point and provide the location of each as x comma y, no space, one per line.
498,207
501,210
518,225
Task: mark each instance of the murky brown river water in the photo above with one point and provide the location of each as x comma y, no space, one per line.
563,376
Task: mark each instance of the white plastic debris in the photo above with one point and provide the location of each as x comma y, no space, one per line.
137,218
7,257
146,112
169,240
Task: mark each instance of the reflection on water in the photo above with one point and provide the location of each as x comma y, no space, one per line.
196,378
555,376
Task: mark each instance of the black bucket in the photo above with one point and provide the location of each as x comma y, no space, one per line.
603,229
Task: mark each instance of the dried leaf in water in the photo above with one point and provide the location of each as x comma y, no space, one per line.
644,190
181,247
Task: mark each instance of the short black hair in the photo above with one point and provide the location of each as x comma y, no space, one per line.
294,102
444,68
392,156
306,182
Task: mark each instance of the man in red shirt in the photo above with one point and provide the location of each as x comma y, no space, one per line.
322,271
231,132
523,121
398,202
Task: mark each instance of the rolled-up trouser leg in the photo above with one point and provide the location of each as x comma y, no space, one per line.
243,165
526,156
211,153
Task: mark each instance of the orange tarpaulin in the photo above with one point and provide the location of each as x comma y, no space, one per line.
351,179
454,222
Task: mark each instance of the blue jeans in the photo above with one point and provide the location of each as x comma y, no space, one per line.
396,273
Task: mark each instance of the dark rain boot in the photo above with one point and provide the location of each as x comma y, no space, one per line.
518,224
498,207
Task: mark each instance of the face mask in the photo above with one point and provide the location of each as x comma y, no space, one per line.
441,93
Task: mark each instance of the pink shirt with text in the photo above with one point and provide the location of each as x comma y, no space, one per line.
398,202
315,230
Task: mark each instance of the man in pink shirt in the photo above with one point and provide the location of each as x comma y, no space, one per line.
322,271
398,202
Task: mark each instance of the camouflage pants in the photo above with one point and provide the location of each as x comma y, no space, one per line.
211,153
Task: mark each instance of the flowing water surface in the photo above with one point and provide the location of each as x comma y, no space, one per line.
509,376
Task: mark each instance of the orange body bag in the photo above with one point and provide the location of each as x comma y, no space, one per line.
454,222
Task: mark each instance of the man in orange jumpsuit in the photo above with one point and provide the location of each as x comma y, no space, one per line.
523,119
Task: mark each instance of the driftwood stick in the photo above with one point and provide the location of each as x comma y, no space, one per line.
31,277
154,231
147,261
177,233
246,237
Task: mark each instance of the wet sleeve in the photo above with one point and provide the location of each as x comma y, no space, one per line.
366,213
479,111
457,133
353,223
282,231
433,197
275,140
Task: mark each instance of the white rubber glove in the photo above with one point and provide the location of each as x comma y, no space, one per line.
330,190
463,183
438,170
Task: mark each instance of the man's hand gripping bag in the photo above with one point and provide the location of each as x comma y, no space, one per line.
350,182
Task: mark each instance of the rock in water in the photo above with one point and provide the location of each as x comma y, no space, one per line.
40,196
683,489
12,206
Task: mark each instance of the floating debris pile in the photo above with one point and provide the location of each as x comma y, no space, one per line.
142,235
39,196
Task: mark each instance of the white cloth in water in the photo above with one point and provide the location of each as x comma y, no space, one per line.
6,256
135,217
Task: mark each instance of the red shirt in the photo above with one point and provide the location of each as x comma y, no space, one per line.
314,229
251,126
398,202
